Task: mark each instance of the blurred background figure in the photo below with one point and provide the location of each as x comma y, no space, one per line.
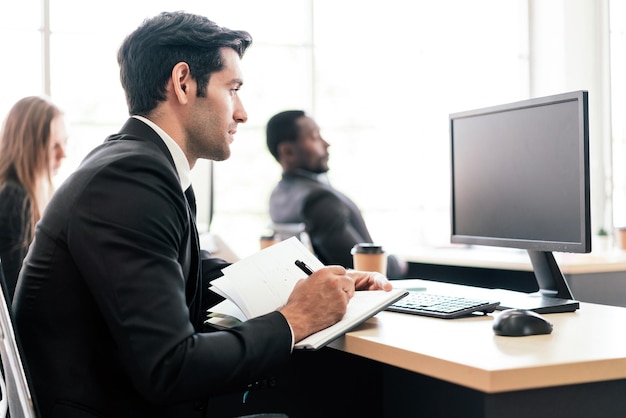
304,194
32,146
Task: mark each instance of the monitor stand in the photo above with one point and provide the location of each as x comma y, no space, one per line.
554,294
533,302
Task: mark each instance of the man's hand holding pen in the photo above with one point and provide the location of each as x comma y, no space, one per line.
363,280
321,299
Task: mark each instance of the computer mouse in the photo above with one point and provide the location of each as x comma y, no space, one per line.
520,322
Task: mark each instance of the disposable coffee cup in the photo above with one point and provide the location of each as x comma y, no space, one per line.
367,256
269,239
621,238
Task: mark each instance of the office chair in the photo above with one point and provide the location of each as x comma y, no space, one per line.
283,231
16,397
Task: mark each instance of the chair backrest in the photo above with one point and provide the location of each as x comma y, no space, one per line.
16,394
283,231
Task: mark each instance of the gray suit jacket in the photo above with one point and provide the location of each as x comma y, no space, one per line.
111,300
333,221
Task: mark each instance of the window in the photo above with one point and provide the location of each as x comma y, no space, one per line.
385,85
380,78
22,69
618,104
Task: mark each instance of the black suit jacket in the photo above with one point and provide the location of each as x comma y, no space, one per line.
13,221
111,300
333,221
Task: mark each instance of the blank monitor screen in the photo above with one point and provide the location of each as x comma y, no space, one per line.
520,175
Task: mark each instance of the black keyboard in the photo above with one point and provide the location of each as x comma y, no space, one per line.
441,306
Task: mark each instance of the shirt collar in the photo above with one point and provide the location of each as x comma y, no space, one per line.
180,160
319,177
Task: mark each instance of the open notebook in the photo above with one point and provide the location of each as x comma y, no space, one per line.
262,282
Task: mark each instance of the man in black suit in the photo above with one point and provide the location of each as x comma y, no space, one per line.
113,294
304,194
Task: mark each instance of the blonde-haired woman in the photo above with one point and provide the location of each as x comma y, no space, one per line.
32,145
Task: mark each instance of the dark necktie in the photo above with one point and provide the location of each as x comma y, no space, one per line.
191,200
192,259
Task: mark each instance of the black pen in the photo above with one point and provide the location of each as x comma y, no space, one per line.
304,267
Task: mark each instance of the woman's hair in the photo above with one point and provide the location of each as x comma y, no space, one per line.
24,152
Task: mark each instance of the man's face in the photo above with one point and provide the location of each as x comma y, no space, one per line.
212,120
310,148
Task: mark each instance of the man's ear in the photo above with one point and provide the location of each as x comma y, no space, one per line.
286,149
181,82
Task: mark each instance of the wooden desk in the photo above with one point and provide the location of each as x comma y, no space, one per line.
444,367
398,365
597,277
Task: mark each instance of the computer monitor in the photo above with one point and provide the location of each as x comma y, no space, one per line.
520,179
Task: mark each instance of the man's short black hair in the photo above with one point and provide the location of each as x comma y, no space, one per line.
148,55
282,127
